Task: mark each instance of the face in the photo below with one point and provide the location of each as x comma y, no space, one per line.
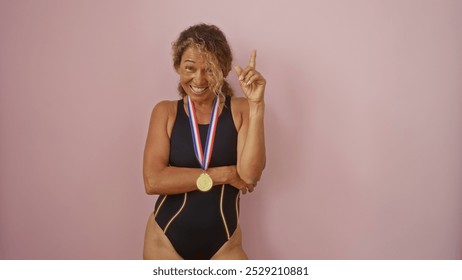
195,78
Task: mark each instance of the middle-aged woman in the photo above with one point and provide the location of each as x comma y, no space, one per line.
202,151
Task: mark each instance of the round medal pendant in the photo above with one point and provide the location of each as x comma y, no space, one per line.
204,182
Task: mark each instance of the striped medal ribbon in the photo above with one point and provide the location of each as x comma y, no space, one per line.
204,181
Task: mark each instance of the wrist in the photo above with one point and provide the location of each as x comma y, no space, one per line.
256,108
218,175
256,103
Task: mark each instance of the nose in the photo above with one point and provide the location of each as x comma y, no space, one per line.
200,78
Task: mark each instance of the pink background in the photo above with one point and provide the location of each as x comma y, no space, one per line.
363,126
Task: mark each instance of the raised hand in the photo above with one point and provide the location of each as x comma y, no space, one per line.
252,82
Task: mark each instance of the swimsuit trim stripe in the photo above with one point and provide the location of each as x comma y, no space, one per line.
221,210
177,213
237,208
160,205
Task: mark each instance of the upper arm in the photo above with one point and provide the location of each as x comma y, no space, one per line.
241,119
157,148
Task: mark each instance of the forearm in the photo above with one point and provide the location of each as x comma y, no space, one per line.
175,180
253,156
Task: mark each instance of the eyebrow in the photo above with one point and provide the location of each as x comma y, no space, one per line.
189,60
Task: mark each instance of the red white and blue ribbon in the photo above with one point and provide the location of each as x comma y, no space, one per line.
203,156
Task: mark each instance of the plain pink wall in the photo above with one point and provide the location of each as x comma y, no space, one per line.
364,125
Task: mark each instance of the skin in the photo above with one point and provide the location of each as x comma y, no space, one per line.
248,116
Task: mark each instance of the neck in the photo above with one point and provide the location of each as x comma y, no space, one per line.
201,105
203,110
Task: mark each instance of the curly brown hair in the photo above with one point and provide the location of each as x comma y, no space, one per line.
212,44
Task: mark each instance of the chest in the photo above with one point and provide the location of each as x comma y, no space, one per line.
224,145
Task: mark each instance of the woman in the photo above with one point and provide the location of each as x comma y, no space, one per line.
202,150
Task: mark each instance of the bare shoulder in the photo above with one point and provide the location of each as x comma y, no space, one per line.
163,115
164,110
165,106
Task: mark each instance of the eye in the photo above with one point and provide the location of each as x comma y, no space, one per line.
189,69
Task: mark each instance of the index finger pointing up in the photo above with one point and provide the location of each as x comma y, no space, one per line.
253,58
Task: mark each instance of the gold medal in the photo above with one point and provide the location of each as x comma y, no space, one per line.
204,182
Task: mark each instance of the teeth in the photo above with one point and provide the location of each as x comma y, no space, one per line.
198,90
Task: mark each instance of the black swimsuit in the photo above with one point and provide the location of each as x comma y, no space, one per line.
199,223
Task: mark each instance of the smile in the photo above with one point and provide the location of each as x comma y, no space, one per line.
198,90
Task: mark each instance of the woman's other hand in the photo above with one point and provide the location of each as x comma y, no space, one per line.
233,179
251,81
